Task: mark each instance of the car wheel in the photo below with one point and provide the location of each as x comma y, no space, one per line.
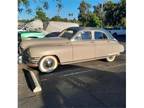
111,58
48,64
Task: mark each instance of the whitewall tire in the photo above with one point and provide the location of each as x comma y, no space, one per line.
48,64
111,58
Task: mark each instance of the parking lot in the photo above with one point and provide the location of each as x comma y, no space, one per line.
94,84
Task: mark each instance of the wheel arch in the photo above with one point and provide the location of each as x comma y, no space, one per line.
51,55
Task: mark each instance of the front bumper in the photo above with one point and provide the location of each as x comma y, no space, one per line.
32,65
32,62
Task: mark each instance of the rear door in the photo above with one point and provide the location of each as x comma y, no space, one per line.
102,45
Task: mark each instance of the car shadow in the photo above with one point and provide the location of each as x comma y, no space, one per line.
29,80
68,87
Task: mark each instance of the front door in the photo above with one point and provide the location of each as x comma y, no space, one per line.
83,46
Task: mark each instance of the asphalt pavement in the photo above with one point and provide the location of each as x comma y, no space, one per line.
94,84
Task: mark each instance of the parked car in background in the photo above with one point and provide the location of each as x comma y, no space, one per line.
26,35
73,45
117,31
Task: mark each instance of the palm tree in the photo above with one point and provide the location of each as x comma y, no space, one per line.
59,7
70,14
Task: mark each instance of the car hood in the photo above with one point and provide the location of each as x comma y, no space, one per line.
44,41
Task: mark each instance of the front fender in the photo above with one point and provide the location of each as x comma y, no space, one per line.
64,53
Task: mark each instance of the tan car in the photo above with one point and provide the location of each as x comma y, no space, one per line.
73,45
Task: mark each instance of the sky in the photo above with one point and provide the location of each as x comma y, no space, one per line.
69,6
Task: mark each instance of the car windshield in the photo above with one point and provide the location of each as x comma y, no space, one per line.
68,33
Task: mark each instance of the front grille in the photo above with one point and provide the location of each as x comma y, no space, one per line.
35,60
25,57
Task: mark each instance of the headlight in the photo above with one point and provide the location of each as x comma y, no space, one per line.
26,53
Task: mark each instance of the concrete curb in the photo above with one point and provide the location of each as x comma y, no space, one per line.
36,86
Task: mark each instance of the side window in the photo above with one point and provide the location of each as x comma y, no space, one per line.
86,35
100,35
67,34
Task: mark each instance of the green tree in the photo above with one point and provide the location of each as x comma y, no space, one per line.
123,13
115,13
56,18
94,20
88,18
40,14
98,10
83,16
24,7
110,15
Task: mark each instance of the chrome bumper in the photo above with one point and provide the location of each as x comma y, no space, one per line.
32,62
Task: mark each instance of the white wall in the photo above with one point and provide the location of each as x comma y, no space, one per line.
55,26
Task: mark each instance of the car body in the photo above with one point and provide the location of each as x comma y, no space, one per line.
26,35
75,44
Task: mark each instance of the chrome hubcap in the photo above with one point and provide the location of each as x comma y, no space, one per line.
48,64
111,57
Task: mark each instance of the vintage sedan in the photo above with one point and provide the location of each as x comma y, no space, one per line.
73,45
